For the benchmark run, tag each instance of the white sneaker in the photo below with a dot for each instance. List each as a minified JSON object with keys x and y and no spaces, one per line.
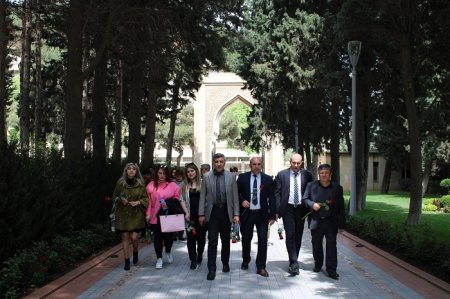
{"x":169,"y":258}
{"x":159,"y":264}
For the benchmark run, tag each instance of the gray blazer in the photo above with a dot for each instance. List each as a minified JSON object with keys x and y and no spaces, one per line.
{"x":208,"y":193}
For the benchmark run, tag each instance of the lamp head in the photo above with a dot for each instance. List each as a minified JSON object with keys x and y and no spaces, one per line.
{"x":354,"y":48}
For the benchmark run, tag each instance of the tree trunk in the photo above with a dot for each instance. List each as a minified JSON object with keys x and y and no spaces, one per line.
{"x":25,"y":81}
{"x":99,"y":109}
{"x":117,"y":148}
{"x":4,"y":37}
{"x":180,"y":156}
{"x":308,"y":158}
{"x":426,"y":177}
{"x":134,"y":115}
{"x":386,"y":177}
{"x":315,"y":165}
{"x":173,"y":119}
{"x":86,"y":101}
{"x":415,"y":204}
{"x":73,"y":136}
{"x":39,"y":134}
{"x":150,"y":125}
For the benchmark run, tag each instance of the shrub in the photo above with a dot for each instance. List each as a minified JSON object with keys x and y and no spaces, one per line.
{"x":397,"y":239}
{"x":430,"y":208}
{"x":446,"y":184}
{"x":33,"y":267}
{"x":433,"y":201}
{"x":445,"y":200}
{"x":46,"y":196}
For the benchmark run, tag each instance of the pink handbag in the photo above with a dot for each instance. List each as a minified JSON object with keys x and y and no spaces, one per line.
{"x":171,"y":223}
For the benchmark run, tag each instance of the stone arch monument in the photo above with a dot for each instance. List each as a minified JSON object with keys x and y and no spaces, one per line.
{"x":218,"y":91}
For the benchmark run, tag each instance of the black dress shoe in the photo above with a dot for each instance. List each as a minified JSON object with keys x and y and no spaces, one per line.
{"x":226,"y":268}
{"x":244,"y":266}
{"x":263,"y":272}
{"x":317,"y":269}
{"x":193,"y":265}
{"x":293,"y":271}
{"x":334,"y":276}
{"x":211,"y":275}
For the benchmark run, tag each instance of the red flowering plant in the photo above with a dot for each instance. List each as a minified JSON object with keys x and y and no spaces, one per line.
{"x":106,"y":199}
{"x":191,"y":230}
{"x":233,"y":234}
{"x":325,"y":205}
{"x":280,"y":232}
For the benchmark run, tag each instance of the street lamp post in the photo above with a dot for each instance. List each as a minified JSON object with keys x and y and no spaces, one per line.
{"x":354,"y":48}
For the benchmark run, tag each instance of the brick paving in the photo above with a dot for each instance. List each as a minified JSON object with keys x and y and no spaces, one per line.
{"x":360,"y":276}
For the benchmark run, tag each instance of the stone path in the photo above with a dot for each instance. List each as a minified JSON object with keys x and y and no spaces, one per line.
{"x":360,"y":276}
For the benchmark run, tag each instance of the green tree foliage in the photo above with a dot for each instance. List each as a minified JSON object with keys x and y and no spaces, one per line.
{"x":232,"y":125}
{"x":183,"y":135}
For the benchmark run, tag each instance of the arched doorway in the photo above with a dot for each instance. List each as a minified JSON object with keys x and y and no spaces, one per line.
{"x":218,"y":91}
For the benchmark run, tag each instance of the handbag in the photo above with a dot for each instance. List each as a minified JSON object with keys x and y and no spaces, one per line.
{"x":171,"y":223}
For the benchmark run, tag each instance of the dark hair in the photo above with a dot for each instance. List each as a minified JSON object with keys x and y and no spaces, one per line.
{"x":166,"y":172}
{"x":324,"y":167}
{"x":234,"y":169}
{"x":218,"y":155}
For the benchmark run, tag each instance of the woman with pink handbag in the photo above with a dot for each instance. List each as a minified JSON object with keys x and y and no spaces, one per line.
{"x":160,"y":190}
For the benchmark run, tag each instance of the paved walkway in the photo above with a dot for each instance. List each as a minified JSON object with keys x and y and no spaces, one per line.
{"x":364,"y":273}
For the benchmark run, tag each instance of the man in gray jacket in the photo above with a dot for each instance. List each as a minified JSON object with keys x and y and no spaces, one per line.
{"x":218,"y":207}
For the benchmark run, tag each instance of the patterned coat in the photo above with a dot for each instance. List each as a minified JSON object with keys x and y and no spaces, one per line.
{"x":130,"y":218}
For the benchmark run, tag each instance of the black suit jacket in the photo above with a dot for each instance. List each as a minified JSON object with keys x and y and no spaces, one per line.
{"x":282,"y":187}
{"x":337,"y":208}
{"x":266,"y":195}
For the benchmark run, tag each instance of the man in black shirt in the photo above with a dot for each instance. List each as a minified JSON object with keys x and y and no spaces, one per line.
{"x":326,"y":201}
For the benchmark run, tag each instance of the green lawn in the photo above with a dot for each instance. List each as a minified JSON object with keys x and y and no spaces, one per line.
{"x":394,"y":207}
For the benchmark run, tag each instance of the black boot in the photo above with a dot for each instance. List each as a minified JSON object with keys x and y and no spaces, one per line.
{"x":127,"y":265}
{"x":135,"y":257}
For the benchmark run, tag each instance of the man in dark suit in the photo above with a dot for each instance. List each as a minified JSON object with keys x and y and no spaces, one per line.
{"x":258,"y":207}
{"x":290,"y":185}
{"x":219,"y":207}
{"x":326,"y":201}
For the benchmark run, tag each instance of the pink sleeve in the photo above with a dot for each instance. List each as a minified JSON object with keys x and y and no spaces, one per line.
{"x":176,"y":192}
{"x":150,"y":198}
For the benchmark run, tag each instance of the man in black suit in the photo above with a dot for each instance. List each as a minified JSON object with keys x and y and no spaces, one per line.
{"x":326,"y":201}
{"x":258,"y":207}
{"x":290,"y":185}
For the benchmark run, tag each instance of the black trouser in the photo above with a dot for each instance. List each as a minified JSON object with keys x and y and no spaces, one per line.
{"x":325,"y":228}
{"x":255,"y":218}
{"x":159,"y":238}
{"x":196,"y":244}
{"x":293,"y":225}
{"x":218,"y":223}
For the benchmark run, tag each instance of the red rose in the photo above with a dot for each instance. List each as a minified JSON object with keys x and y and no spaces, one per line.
{"x":330,"y":202}
{"x":261,"y":186}
{"x":106,"y":199}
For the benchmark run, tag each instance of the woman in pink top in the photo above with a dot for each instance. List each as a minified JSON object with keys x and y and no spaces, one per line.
{"x":158,"y":190}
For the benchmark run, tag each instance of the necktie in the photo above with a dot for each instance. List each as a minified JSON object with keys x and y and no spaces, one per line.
{"x":255,"y":191}
{"x":218,"y":193}
{"x":295,"y":189}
